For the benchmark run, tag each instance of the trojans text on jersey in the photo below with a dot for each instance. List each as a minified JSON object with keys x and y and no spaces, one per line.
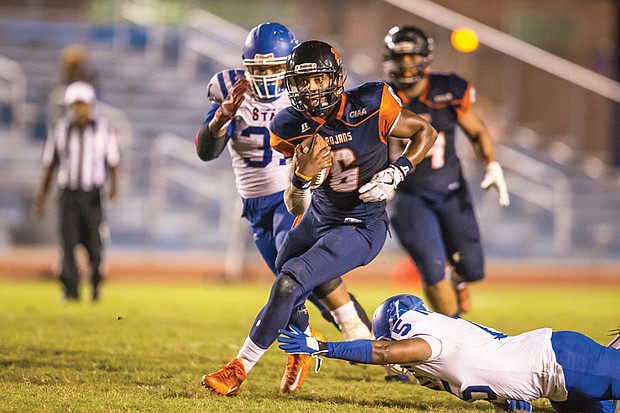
{"x":339,"y":138}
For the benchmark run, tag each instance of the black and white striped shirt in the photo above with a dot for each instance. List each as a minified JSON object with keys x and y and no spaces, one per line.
{"x":82,"y":156}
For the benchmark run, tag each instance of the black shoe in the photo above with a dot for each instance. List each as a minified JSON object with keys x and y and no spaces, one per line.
{"x":96,"y":294}
{"x":69,"y":298}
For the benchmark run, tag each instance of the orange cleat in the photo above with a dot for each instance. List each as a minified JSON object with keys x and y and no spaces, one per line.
{"x":295,"y":373}
{"x":226,"y":381}
{"x":297,"y":367}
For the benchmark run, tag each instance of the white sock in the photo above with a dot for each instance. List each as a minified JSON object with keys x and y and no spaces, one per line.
{"x":460,"y":286}
{"x":249,"y":354}
{"x":344,"y":313}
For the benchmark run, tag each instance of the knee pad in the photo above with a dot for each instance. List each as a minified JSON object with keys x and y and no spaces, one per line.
{"x":469,"y":271}
{"x":432,"y":274}
{"x":286,"y":285}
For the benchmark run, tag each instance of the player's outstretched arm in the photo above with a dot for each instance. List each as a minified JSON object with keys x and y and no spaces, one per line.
{"x":478,"y":133}
{"x":211,"y":138}
{"x":381,"y":352}
{"x":494,"y":177}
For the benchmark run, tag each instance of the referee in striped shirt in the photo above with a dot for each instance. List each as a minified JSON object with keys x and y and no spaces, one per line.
{"x":83,"y":149}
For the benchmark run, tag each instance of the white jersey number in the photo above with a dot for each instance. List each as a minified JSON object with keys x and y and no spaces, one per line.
{"x":343,"y":180}
{"x":437,"y":153}
{"x":254,"y":134}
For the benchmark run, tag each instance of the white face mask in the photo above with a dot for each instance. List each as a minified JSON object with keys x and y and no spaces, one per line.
{"x":270,"y":84}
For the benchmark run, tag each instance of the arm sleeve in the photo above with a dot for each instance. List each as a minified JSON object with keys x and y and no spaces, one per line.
{"x":296,"y":200}
{"x":208,"y":147}
{"x":357,"y":350}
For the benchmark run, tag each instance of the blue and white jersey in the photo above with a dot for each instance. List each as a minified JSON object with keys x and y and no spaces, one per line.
{"x":475,"y":362}
{"x":259,"y":170}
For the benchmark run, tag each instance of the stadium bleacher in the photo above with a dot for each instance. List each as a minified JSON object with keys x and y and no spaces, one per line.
{"x":164,"y":103}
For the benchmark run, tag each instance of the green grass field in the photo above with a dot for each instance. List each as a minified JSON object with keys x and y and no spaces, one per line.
{"x":144,"y":348}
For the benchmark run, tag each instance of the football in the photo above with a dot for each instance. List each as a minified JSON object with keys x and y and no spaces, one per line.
{"x":316,"y":143}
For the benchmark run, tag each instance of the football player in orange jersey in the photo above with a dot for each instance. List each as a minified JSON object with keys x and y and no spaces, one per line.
{"x":432,"y":213}
{"x":244,"y":101}
{"x":345,"y":224}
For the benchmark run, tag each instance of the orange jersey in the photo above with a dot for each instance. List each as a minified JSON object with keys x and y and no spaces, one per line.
{"x":358,"y":139}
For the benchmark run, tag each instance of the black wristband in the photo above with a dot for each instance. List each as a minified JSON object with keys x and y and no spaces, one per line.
{"x":300,"y":183}
{"x":404,"y":165}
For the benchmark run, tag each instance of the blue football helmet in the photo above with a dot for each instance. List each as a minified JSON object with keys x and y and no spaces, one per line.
{"x":390,"y":310}
{"x":264,"y":57}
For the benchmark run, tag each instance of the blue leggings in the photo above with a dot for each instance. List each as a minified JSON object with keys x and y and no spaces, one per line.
{"x":591,"y":372}
{"x":270,"y":221}
{"x":435,"y":230}
{"x":312,"y":255}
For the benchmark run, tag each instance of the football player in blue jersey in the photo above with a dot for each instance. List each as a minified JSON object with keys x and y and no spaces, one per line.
{"x":345,"y":223}
{"x":244,"y":101}
{"x":474,"y":362}
{"x":432,"y":213}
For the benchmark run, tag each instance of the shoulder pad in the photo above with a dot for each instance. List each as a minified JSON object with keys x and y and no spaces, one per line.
{"x":368,"y":86}
{"x":364,"y":100}
{"x":451,"y":82}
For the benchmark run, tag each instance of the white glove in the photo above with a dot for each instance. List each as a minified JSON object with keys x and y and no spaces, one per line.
{"x":382,"y":186}
{"x":494,"y":176}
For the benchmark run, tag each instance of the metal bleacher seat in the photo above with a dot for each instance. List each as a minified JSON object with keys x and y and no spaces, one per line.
{"x":158,"y":90}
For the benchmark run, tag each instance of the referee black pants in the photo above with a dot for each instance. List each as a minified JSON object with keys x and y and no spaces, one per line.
{"x":81,"y":218}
